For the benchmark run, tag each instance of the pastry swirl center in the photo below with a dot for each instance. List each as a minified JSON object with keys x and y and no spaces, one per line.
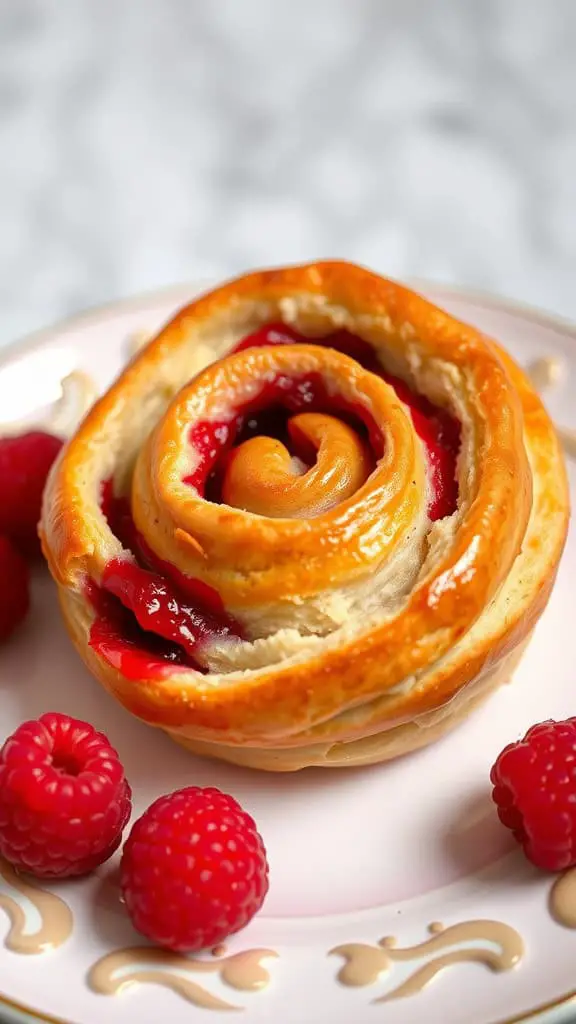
{"x":264,"y":476}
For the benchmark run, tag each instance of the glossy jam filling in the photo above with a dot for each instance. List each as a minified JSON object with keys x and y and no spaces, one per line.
{"x":116,"y":636}
{"x":149,"y":613}
{"x":150,"y":618}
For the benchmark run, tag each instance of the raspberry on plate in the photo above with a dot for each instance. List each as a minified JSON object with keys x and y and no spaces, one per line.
{"x":535,"y":792}
{"x":64,"y":800}
{"x":194,"y":870}
{"x":25,"y":461}
{"x":14,"y":588}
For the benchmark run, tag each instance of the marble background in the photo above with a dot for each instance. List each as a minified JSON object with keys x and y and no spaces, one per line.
{"x":147,"y":142}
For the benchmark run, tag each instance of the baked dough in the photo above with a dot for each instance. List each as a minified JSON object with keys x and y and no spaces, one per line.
{"x":364,"y":626}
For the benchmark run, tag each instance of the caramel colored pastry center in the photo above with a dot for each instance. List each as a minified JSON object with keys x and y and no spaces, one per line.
{"x":261,"y":475}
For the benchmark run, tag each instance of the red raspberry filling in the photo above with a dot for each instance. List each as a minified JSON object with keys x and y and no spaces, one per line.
{"x":148,"y":621}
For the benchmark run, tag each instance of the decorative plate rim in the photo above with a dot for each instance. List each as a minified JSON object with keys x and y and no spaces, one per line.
{"x":18,"y":1012}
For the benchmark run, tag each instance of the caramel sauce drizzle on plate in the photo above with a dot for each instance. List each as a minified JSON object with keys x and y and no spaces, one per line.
{"x":364,"y":963}
{"x":563,"y":899}
{"x":56,"y":921}
{"x":140,"y":965}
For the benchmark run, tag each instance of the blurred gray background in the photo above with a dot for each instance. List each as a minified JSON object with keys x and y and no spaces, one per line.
{"x":148,"y":142}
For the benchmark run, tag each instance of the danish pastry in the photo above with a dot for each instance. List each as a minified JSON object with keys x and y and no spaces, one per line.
{"x":313,"y":522}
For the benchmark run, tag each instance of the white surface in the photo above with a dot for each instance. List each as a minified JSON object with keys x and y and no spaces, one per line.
{"x":354,"y":855}
{"x":146,"y":142}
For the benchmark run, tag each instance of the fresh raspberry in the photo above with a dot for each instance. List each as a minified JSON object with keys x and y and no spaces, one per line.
{"x":63,"y":798}
{"x":194,"y":870}
{"x":24,"y":464}
{"x":535,"y":792}
{"x":14,"y":588}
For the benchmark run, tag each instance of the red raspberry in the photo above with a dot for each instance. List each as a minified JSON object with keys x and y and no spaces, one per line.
{"x":535,"y":792}
{"x":24,"y":464}
{"x":194,"y":870}
{"x":14,"y":588}
{"x":63,"y":798}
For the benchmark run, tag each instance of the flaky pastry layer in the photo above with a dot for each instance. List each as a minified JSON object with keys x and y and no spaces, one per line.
{"x":367,"y":629}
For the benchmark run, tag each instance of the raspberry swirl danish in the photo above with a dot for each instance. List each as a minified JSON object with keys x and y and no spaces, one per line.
{"x":312,"y":523}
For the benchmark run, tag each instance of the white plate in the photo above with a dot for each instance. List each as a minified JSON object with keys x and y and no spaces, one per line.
{"x":354,"y":855}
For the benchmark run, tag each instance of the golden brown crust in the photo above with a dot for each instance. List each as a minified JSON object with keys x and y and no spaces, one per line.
{"x":480,"y":588}
{"x":252,"y":559}
{"x":402,"y":738}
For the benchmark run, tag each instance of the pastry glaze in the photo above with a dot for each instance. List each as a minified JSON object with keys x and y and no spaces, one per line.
{"x":140,"y":965}
{"x":364,"y":963}
{"x":56,"y":920}
{"x":357,"y":648}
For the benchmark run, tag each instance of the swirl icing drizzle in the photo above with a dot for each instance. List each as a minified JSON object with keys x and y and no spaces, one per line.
{"x":496,"y":945}
{"x":56,"y":921}
{"x":139,"y":965}
{"x":563,"y":899}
